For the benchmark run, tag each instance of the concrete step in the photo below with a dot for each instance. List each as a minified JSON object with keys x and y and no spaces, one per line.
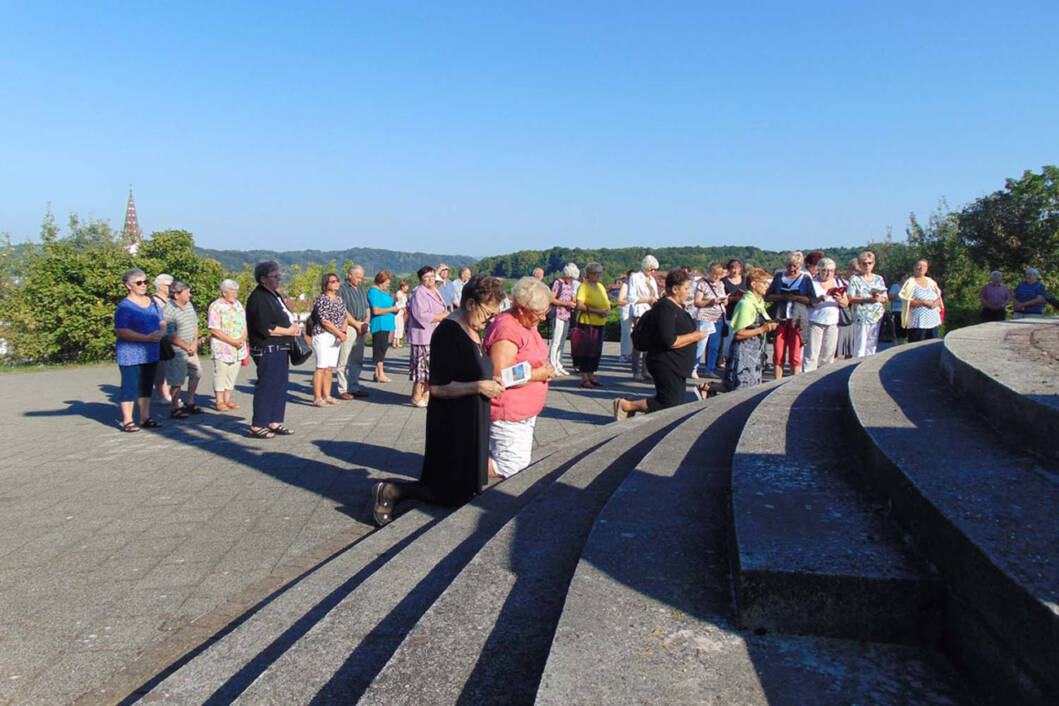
{"x":417,"y":553}
{"x":486,"y":638}
{"x":648,"y":615}
{"x":982,"y":512}
{"x":1009,"y":372}
{"x":815,"y":554}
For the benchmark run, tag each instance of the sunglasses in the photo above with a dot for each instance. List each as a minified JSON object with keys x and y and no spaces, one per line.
{"x":140,"y":282}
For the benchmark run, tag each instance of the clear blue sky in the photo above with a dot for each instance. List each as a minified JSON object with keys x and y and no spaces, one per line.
{"x":483,"y":128}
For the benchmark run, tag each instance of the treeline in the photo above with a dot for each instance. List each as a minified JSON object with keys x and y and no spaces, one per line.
{"x":618,"y":261}
{"x":372,"y":259}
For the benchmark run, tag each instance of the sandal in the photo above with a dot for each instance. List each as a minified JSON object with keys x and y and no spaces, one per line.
{"x":233,"y":405}
{"x":179,"y":413}
{"x":331,"y":401}
{"x":619,"y":413}
{"x":261,"y":433}
{"x":702,"y":391}
{"x":194,"y":409}
{"x":319,"y":403}
{"x":129,"y":427}
{"x":382,"y":513}
{"x":281,"y":430}
{"x":150,"y":423}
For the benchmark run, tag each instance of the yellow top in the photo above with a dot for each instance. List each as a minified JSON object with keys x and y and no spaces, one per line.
{"x":594,"y":296}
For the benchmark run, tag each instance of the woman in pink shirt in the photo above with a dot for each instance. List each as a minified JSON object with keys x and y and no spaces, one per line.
{"x":425,"y":310}
{"x":512,"y":338}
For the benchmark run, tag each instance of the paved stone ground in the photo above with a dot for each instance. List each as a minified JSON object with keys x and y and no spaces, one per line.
{"x":111,"y":544}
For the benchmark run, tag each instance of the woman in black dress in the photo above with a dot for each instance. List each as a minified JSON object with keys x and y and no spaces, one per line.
{"x":456,"y":457}
{"x":671,"y":354}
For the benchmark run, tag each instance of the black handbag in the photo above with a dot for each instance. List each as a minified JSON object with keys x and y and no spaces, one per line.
{"x":845,"y":316}
{"x":300,"y":350}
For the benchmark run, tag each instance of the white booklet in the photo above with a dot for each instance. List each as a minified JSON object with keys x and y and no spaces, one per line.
{"x":517,"y":374}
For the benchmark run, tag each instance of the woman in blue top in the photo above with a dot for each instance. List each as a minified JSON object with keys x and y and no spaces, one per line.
{"x":138,"y":325}
{"x":383,"y":321}
{"x":1030,"y":295}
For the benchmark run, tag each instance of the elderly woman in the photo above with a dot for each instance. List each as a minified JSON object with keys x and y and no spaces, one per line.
{"x":626,"y":319}
{"x":670,"y":357}
{"x":845,"y":332}
{"x":868,"y":297}
{"x":995,"y":297}
{"x":161,"y":298}
{"x":383,"y":310}
{"x":710,"y":301}
{"x":512,"y":338}
{"x":830,"y":298}
{"x":792,"y":290}
{"x":270,"y":327}
{"x":1030,"y":295}
{"x":750,"y":322}
{"x":401,"y":299}
{"x":329,"y":325}
{"x":563,"y":301}
{"x":456,"y":454}
{"x":593,"y":307}
{"x":734,"y":288}
{"x":921,"y":295}
{"x":425,"y":309}
{"x":138,"y":326}
{"x":226,"y":321}
{"x":643,"y":293}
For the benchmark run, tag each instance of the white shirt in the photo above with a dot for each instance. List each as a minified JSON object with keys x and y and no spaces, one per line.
{"x":641,"y":287}
{"x":825,"y":313}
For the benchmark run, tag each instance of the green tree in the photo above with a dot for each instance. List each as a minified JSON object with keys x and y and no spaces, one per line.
{"x":1016,"y":227}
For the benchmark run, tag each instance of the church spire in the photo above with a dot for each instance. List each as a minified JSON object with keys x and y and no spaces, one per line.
{"x":131,"y":234}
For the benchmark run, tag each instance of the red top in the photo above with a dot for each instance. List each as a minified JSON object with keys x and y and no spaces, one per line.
{"x":525,"y":401}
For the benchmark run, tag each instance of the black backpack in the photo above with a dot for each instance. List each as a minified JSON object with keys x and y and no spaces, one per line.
{"x":643,"y":334}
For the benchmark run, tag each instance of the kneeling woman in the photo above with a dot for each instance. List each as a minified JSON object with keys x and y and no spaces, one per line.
{"x":513,"y":338}
{"x":671,"y":353}
{"x":750,"y":323}
{"x":456,"y":454}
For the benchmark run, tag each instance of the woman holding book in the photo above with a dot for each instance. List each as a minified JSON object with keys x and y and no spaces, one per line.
{"x":750,"y":322}
{"x":868,"y":296}
{"x":823,"y":316}
{"x":510,"y":340}
{"x":462,"y":383}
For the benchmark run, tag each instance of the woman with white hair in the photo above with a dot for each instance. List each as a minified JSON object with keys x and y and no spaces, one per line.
{"x":643,"y":293}
{"x":226,"y":321}
{"x":868,"y":296}
{"x":1030,"y":295}
{"x":824,"y":316}
{"x":511,"y":339}
{"x":792,"y":292}
{"x":562,"y":298}
{"x":994,"y":297}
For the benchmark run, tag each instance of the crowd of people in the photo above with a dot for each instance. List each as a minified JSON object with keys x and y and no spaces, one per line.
{"x":479,"y":365}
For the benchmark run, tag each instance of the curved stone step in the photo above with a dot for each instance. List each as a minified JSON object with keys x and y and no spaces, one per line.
{"x":983,"y":513}
{"x":418,"y":552}
{"x":486,"y":638}
{"x":647,"y":614}
{"x":814,"y":553}
{"x":1009,"y":372}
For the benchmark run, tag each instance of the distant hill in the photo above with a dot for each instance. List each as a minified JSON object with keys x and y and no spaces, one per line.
{"x":371,"y":259}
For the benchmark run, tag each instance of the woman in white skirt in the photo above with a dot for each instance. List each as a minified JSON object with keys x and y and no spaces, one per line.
{"x":329,"y":331}
{"x":512,"y":338}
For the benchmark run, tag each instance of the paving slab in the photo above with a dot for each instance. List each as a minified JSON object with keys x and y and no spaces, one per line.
{"x":815,"y":553}
{"x":1009,"y":372}
{"x":981,"y":511}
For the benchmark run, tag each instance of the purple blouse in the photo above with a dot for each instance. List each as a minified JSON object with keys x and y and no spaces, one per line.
{"x":423,"y":305}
